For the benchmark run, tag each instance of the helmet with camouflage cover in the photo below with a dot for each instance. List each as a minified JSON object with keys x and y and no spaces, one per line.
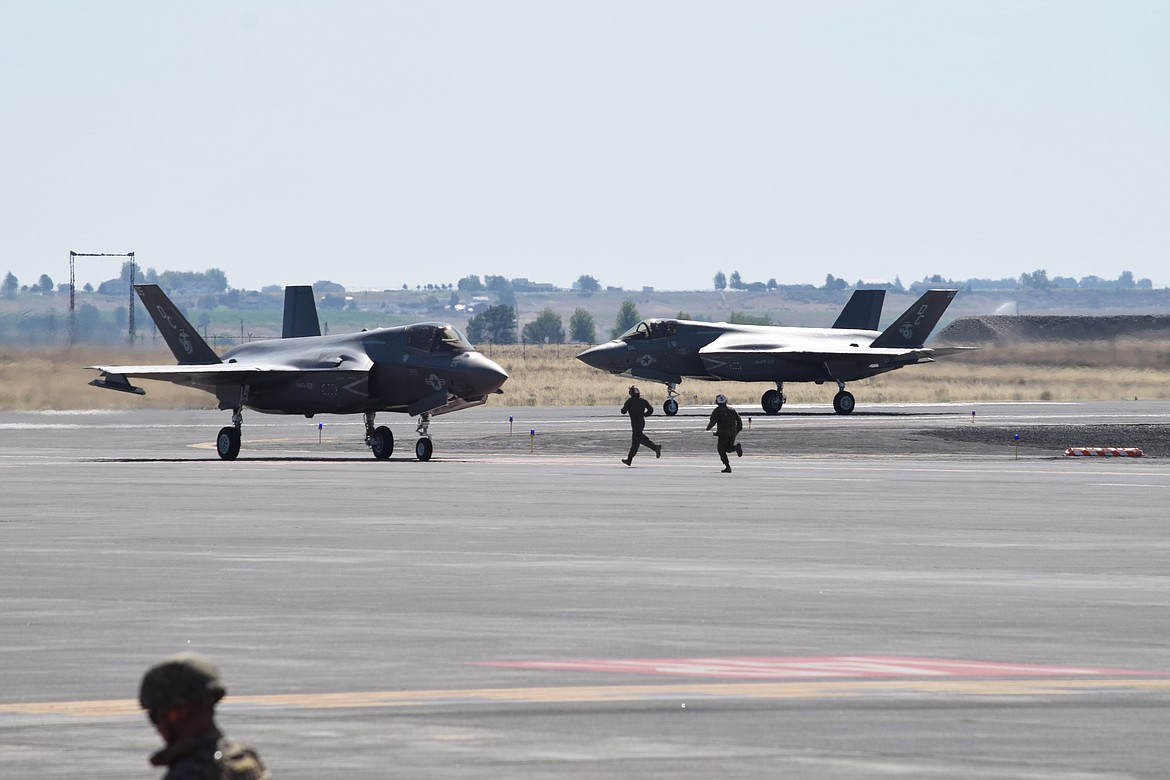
{"x":182,"y":678}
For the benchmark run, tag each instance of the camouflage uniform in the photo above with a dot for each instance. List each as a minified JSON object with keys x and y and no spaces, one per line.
{"x":211,"y":756}
{"x":191,"y":678}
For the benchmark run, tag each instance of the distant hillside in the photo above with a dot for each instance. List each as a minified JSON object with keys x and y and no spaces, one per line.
{"x":993,"y":329}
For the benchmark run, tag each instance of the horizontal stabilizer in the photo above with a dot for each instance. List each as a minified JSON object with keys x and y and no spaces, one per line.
{"x":117,"y":382}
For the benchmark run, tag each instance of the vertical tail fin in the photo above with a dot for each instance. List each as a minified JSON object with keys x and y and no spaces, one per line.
{"x":300,"y":312}
{"x":863,"y":311}
{"x":184,"y":340}
{"x":916,"y":323}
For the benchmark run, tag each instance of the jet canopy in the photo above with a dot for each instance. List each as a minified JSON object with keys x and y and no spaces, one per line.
{"x":432,"y":338}
{"x":651,"y":329}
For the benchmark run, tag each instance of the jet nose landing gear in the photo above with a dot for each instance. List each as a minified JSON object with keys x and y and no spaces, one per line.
{"x":423,"y":448}
{"x":670,"y":405}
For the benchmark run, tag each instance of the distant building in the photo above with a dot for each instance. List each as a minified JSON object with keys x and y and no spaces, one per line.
{"x":521,"y":284}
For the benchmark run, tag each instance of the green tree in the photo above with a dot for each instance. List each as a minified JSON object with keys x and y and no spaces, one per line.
{"x":627,"y":317}
{"x":582,"y":329}
{"x":736,"y":283}
{"x":587,"y":284}
{"x":471,"y":284}
{"x":743,"y":318}
{"x":548,"y":327}
{"x":10,"y":285}
{"x":1037,"y":280}
{"x":496,"y":324}
{"x":720,"y":280}
{"x":46,"y":283}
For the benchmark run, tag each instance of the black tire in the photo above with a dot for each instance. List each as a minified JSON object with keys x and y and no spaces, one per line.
{"x":843,"y":402}
{"x":670,"y":407}
{"x":772,"y":401}
{"x":423,"y":449}
{"x":382,"y":442}
{"x":227,"y":443}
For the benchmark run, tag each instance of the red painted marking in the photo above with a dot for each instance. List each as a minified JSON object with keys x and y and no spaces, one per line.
{"x":797,"y":668}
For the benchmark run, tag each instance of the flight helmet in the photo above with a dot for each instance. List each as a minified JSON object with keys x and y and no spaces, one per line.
{"x":635,"y":390}
{"x":721,"y":399}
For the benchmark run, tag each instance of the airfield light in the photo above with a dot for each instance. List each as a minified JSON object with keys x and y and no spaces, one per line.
{"x":531,"y":440}
{"x":320,"y":431}
{"x":509,"y":425}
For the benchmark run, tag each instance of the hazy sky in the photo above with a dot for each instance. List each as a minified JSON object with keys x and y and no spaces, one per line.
{"x":645,"y":143}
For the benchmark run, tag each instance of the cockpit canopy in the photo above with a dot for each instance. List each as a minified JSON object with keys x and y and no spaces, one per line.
{"x":651,"y":329}
{"x":436,"y":338}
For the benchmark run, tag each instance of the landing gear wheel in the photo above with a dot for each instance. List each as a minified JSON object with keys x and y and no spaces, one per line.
{"x":423,"y":449}
{"x":772,"y":401}
{"x":843,"y":402}
{"x":227,"y":443}
{"x":670,"y":407}
{"x":382,"y":442}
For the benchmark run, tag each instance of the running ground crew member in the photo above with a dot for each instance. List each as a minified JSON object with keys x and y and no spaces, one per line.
{"x":727,"y":425}
{"x":639,"y":409}
{"x":179,"y":695}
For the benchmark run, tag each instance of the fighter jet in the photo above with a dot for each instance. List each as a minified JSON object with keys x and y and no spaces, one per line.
{"x":668,"y":351}
{"x":424,"y":370}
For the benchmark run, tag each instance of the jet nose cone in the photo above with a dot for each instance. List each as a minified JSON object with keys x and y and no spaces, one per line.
{"x":485,"y":375}
{"x":600,"y":356}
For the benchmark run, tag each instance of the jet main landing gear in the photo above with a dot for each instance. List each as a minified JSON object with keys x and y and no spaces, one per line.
{"x":773,"y":400}
{"x":380,"y":440}
{"x":227,"y":442}
{"x":843,"y":402}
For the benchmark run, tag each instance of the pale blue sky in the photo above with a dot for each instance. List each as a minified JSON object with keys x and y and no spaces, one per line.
{"x":645,"y":143}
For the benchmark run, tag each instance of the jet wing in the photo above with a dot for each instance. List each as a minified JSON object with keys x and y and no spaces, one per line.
{"x":116,"y":377}
{"x":735,"y":349}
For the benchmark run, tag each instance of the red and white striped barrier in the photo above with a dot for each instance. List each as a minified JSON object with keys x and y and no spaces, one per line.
{"x":1116,"y":452}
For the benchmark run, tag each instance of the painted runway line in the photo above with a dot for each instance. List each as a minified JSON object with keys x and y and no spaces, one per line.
{"x":605,"y":694}
{"x":830,"y":667}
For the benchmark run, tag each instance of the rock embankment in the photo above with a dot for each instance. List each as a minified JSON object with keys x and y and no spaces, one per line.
{"x":1022,"y":328}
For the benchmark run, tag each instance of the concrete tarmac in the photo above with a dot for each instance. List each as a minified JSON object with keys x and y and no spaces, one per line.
{"x":882,"y":595}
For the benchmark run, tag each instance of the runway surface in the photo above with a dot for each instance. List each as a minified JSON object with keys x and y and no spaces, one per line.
{"x":898,"y":593}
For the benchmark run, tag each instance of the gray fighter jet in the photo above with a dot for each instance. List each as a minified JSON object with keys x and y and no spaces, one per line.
{"x":424,"y":370}
{"x":668,"y":351}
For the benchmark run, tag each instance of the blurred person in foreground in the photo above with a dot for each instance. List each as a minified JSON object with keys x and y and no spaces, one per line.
{"x":179,"y":695}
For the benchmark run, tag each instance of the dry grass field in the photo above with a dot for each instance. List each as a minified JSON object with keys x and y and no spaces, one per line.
{"x":32,"y":379}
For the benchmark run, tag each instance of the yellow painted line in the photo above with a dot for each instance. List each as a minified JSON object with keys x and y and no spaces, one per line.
{"x":626,"y":693}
